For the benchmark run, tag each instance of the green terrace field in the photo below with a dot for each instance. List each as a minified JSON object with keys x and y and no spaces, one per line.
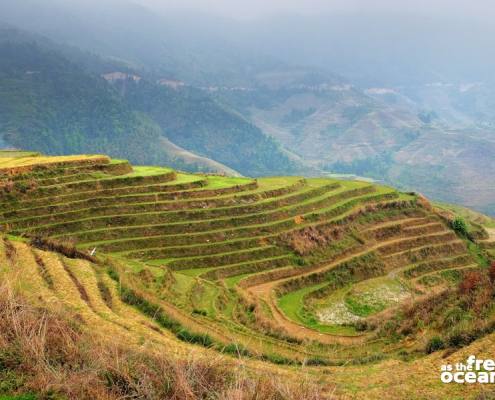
{"x":283,"y":272}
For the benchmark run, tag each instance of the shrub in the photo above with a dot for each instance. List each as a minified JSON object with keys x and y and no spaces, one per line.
{"x":10,"y":381}
{"x":367,"y":359}
{"x":277,"y":359}
{"x":460,"y":226}
{"x":459,"y":339}
{"x":112,"y":273}
{"x":66,"y":248}
{"x":236,"y":349}
{"x":156,"y":312}
{"x":434,"y":344}
{"x":202,"y":339}
{"x":361,"y":325}
{"x":471,"y":281}
{"x":317,"y":361}
{"x":453,"y":316}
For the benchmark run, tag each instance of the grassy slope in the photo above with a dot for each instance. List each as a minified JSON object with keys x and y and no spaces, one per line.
{"x":220,"y":309}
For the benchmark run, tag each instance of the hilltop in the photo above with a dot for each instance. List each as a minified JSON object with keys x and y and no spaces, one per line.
{"x":327,"y":284}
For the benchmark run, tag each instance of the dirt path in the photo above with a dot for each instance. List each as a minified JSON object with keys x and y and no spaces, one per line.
{"x":265,"y":291}
{"x":491,"y":234}
{"x":446,"y":269}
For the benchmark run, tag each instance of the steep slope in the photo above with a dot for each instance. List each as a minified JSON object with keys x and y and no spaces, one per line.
{"x":194,"y":121}
{"x":147,"y":123}
{"x":49,"y":104}
{"x":412,"y":122}
{"x":282,"y":271}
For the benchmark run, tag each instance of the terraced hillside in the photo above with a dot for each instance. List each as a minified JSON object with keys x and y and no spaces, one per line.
{"x":284,"y":271}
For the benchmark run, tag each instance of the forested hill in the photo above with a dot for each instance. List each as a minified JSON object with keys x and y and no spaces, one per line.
{"x":191,"y":119}
{"x":51,"y":102}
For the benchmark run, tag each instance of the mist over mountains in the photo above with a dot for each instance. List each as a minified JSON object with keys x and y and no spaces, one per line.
{"x":404,"y":99}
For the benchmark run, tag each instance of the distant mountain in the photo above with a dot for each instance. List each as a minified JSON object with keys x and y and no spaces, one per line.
{"x":49,"y":104}
{"x":261,"y":101}
{"x":388,"y":135}
{"x":183,"y":47}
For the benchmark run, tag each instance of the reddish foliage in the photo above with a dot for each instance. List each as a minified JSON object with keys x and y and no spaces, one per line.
{"x":7,"y":185}
{"x":471,"y":281}
{"x":308,"y":239}
{"x":491,"y":273}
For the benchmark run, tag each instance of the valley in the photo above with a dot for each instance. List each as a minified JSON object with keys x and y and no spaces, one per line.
{"x":209,"y":200}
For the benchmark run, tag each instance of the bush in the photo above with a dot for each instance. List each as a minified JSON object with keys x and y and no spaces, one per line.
{"x":361,"y":325}
{"x":237,"y":350}
{"x":155,"y":312}
{"x":460,"y":339}
{"x":277,"y":359}
{"x":453,"y":316}
{"x":66,"y":248}
{"x":317,"y":361}
{"x":112,"y":273}
{"x":367,"y":359}
{"x":434,"y":344}
{"x":10,"y":381}
{"x":202,"y":339}
{"x":471,"y":281}
{"x":460,"y":226}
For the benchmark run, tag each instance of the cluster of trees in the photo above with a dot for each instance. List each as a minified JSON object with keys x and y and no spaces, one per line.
{"x":56,"y":102}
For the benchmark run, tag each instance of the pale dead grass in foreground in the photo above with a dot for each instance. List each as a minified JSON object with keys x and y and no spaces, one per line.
{"x":53,"y":352}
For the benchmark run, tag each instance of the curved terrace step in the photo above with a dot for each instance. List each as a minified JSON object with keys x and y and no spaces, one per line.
{"x":183,"y":187}
{"x":180,"y":209}
{"x":223,"y":259}
{"x":125,"y":224}
{"x":203,"y":198}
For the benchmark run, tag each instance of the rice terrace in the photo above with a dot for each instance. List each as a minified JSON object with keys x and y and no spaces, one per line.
{"x":316,"y":287}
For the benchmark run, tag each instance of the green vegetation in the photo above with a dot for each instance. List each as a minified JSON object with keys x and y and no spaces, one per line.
{"x":52,"y":104}
{"x":460,"y":226}
{"x":292,"y":304}
{"x":375,"y":295}
{"x":278,"y":271}
{"x":468,"y":215}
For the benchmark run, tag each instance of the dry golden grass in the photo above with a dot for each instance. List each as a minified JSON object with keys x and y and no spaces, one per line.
{"x":416,"y":380}
{"x":67,"y":326}
{"x":11,"y":162}
{"x":50,"y":351}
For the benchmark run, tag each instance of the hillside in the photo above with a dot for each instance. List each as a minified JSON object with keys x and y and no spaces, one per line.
{"x":318,"y":280}
{"x":400,"y":137}
{"x":398,"y":120}
{"x":54,"y":99}
{"x":194,"y":121}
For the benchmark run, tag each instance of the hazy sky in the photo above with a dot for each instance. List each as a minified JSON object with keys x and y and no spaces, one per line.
{"x":266,"y":8}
